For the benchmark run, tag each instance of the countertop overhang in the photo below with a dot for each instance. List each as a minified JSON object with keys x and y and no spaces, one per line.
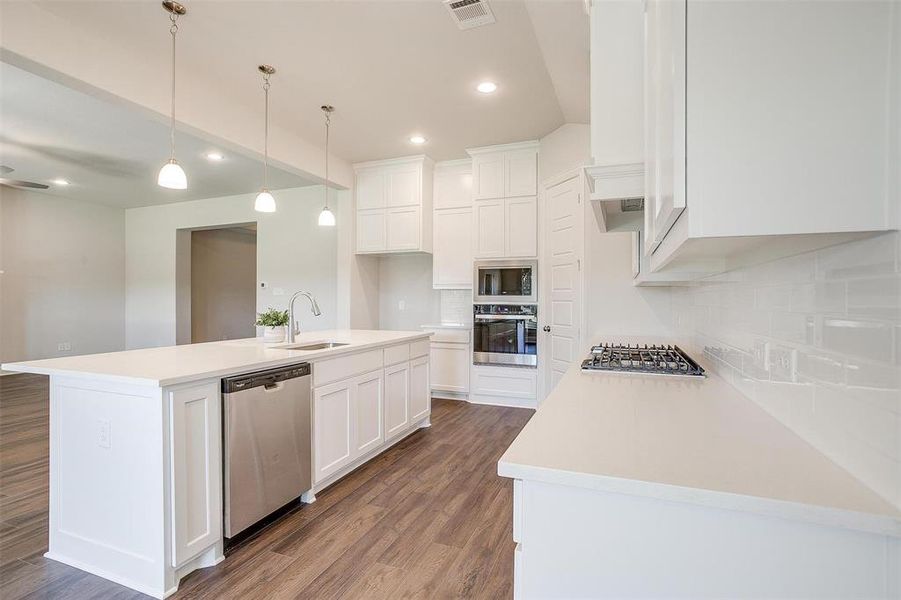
{"x":172,"y":365}
{"x":695,"y":440}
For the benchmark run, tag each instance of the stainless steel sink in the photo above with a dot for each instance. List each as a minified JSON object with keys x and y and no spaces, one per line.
{"x":315,"y":346}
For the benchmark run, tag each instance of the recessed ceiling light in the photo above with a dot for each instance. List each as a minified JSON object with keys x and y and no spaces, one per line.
{"x":214,"y":156}
{"x":487,"y":87}
{"x":417,"y":139}
{"x":59,"y":182}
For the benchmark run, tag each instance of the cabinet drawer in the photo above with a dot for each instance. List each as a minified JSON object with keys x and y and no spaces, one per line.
{"x":343,"y":367}
{"x":397,"y":354}
{"x":508,"y":382}
{"x":450,"y":336}
{"x":419,"y":348}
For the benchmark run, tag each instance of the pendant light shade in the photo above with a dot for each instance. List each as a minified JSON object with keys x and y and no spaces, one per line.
{"x":327,"y":217}
{"x":265,"y":202}
{"x":172,"y":176}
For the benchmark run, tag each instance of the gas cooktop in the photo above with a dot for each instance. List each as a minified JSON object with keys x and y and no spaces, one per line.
{"x":653,"y":359}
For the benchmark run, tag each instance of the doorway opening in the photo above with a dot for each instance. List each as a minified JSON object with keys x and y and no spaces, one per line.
{"x":216,"y":283}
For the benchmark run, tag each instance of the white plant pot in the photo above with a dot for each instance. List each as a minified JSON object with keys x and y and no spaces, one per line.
{"x":274,"y":335}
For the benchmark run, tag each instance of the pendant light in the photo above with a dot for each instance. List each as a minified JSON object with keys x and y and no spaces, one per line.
{"x":265,"y":202}
{"x":327,"y":217}
{"x":172,"y":175}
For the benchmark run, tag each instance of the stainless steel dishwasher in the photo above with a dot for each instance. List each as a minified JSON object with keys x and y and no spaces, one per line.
{"x":267,"y":437}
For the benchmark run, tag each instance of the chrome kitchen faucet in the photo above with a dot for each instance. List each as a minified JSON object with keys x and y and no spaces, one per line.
{"x":293,"y":328}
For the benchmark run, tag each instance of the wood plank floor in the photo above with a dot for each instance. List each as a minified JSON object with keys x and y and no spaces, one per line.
{"x":429,"y":518}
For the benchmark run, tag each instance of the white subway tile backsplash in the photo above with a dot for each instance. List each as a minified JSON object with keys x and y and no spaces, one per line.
{"x":456,"y":306}
{"x":815,"y":340}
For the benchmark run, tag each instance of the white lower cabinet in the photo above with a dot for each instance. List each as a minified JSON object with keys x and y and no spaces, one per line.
{"x":196,"y":457}
{"x":357,"y":415}
{"x":420,"y":391}
{"x":504,"y":386}
{"x":332,"y":421}
{"x":368,"y":430}
{"x":397,"y":399}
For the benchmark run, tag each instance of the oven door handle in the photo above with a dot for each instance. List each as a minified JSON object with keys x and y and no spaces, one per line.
{"x":506,"y":318}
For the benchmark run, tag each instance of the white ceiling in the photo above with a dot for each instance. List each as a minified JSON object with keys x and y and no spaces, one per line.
{"x":390,"y":67}
{"x":109,"y":153}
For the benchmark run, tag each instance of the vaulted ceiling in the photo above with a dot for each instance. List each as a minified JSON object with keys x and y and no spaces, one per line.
{"x":391,"y":68}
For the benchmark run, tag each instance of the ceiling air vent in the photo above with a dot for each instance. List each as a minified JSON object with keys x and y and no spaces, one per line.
{"x":470,"y":13}
{"x":631,"y":204}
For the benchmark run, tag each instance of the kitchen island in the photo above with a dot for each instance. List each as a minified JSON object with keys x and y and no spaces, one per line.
{"x":136,"y":441}
{"x":631,"y":485}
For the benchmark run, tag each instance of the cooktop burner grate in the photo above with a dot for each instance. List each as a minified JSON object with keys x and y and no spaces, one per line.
{"x":662,"y":360}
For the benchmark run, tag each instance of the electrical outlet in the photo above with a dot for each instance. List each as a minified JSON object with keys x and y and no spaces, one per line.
{"x":64,"y":347}
{"x":401,"y":305}
{"x":103,"y":433}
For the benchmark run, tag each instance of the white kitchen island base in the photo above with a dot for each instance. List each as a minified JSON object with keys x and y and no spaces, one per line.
{"x":136,"y":442}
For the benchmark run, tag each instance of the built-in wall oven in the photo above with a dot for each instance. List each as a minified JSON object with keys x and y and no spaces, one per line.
{"x":505,"y":281}
{"x":505,"y":334}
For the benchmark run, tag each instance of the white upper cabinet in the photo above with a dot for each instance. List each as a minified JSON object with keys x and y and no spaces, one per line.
{"x":768,"y":119}
{"x":505,"y":207}
{"x":488,"y":176}
{"x":394,"y":205}
{"x":504,"y":171}
{"x":452,"y":224}
{"x":521,"y":172}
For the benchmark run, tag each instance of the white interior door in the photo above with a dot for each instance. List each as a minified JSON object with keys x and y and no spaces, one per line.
{"x":563,"y":279}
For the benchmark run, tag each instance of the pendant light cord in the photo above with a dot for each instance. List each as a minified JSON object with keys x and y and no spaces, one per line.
{"x":266,"y":134}
{"x":173,"y":29}
{"x":328,"y":120}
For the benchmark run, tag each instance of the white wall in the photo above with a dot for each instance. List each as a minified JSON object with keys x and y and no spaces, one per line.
{"x":815,"y":340}
{"x":293,"y":253}
{"x":562,"y":150}
{"x":63,"y":280}
{"x":358,"y":275}
{"x":617,"y":81}
{"x":407,"y":278}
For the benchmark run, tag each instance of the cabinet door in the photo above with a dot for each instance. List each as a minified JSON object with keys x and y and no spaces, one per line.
{"x":368,"y":421}
{"x":488,"y":228}
{"x":449,"y":367}
{"x":453,"y":187}
{"x":397,"y":399}
{"x":370,"y":189}
{"x":521,"y":172}
{"x":372,"y":235}
{"x":333,"y":437}
{"x":403,"y":225}
{"x":196,"y":470}
{"x":488,"y":176}
{"x":666,"y":127}
{"x":521,"y":221}
{"x":420,"y":391}
{"x":404,"y":186}
{"x":452,"y":251}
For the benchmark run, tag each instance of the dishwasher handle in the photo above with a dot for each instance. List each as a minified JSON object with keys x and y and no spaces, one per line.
{"x":267,"y":379}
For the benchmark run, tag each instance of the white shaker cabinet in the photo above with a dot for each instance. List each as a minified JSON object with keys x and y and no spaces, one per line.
{"x":368,"y":395}
{"x":450,"y":358}
{"x":504,"y":171}
{"x":420,"y":390}
{"x":394,"y":205}
{"x":770,"y":128}
{"x":332,"y":422}
{"x":452,"y":225}
{"x":505,"y":206}
{"x":397,"y":399}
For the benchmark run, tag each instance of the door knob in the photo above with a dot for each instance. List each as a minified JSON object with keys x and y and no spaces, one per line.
{"x":547,"y":328}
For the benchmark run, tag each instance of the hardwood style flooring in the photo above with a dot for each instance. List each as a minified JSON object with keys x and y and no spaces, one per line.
{"x":429,"y":518}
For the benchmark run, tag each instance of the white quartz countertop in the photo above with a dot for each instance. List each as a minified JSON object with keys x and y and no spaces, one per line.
{"x":688,"y":440}
{"x":179,"y":364}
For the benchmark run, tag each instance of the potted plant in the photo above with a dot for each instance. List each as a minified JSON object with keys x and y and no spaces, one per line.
{"x":273,"y":322}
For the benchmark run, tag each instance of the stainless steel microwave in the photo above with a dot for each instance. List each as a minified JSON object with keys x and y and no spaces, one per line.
{"x":505,"y":281}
